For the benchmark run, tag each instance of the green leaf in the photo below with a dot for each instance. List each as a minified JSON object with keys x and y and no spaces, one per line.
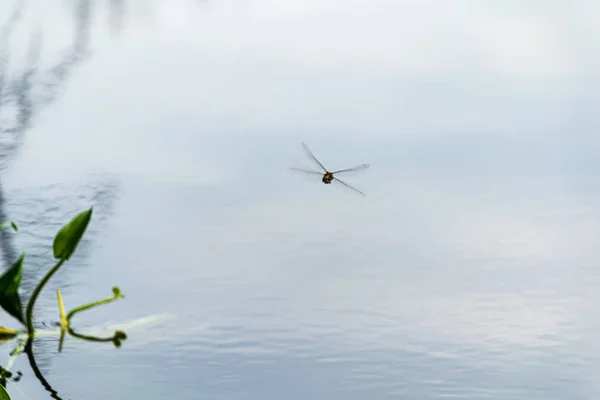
{"x":9,"y":286}
{"x":3,"y":393}
{"x":7,"y":224}
{"x":68,"y":237}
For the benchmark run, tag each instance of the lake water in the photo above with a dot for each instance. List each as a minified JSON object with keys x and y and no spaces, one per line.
{"x":470,"y":269}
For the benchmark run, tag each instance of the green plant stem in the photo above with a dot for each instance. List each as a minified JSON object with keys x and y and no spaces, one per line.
{"x":14,"y":354}
{"x":5,"y":225}
{"x":92,"y":304}
{"x":90,"y":338}
{"x":36,"y":293}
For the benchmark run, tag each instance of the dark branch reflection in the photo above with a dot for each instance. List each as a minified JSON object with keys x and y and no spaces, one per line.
{"x":38,"y":373}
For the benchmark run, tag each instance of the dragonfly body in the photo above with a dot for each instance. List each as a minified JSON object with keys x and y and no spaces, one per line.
{"x":329,"y":176}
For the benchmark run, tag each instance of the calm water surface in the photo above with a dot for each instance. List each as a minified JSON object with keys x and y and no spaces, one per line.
{"x":469,"y":271}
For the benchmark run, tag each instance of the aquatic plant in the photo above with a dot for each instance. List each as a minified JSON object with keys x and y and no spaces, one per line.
{"x":64,"y":246}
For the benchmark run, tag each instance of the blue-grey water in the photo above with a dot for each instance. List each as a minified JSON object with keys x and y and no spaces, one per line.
{"x":470,"y":270}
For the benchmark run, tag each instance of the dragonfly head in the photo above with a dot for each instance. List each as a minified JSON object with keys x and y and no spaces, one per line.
{"x":327,"y":177}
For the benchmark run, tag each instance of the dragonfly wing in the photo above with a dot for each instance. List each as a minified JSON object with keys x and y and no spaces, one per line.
{"x":358,"y":168}
{"x":348,"y":186}
{"x":312,"y":156}
{"x":306,"y":171}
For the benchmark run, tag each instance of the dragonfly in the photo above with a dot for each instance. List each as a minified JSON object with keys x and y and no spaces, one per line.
{"x":329,"y":176}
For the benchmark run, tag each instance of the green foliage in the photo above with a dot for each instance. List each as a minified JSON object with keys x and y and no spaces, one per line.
{"x":3,"y":393}
{"x":64,"y":245}
{"x":68,"y":237}
{"x":7,"y":224}
{"x":9,"y":286}
{"x":7,"y":333}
